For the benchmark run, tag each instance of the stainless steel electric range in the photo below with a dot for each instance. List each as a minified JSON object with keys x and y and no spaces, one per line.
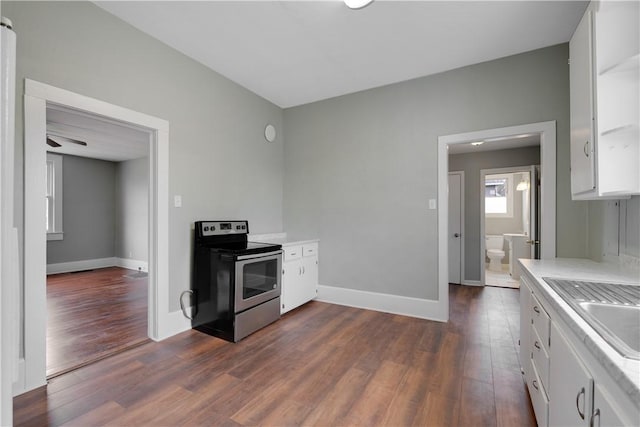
{"x":236,"y":283}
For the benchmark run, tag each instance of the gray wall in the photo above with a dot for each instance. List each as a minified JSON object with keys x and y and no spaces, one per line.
{"x":630,"y":220}
{"x":88,"y":216}
{"x":359,"y":169}
{"x":471,"y":164}
{"x":219,"y":161}
{"x":132,"y":209}
{"x":614,"y":225}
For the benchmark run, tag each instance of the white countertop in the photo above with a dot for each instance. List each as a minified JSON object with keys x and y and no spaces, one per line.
{"x":626,"y":372}
{"x":279,"y":239}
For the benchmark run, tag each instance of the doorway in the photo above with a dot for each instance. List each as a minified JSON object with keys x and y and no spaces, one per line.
{"x":509,"y":220}
{"x":547,"y":231}
{"x":32,"y":363}
{"x":97,"y":244}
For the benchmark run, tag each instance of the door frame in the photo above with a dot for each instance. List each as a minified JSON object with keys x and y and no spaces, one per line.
{"x":32,"y":365}
{"x":547,"y":131}
{"x":483,"y":174}
{"x":462,"y":234}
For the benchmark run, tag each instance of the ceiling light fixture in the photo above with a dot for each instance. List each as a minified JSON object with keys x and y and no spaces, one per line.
{"x":357,"y":4}
{"x":477,"y":143}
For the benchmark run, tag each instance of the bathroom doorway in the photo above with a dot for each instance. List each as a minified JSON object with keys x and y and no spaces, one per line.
{"x":509,"y":221}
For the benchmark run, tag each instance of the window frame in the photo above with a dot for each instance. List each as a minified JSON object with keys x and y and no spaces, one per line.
{"x":53,"y":196}
{"x":509,"y":178}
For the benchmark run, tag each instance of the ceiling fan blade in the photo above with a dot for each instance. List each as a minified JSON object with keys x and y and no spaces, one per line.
{"x":52,"y":143}
{"x":75,"y":141}
{"x":63,"y":139}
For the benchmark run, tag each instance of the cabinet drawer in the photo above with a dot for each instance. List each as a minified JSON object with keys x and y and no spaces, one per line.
{"x":539,"y":399}
{"x":541,"y":321}
{"x":540,"y":358}
{"x":310,"y":249}
{"x":292,"y":252}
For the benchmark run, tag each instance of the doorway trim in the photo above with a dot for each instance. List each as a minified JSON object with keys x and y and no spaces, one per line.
{"x":483,"y":174}
{"x":547,"y":131}
{"x":32,"y":366}
{"x":462,"y":233}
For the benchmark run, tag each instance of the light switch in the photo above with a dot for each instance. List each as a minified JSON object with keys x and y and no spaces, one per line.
{"x":177,"y":201}
{"x":432,"y":203}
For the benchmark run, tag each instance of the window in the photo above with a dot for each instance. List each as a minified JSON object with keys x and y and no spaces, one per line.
{"x":498,"y":196}
{"x":54,"y":197}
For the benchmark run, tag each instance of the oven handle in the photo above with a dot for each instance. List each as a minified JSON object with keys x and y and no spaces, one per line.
{"x":262,"y":255}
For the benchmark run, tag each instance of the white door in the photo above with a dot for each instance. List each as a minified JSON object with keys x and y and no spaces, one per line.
{"x":455,"y":226}
{"x":581,"y":100}
{"x":534,"y":216}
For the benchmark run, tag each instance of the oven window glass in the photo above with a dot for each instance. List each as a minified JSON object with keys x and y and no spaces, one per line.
{"x":259,"y":277}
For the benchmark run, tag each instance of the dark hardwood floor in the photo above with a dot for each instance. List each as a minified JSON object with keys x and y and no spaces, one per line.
{"x":321,"y":364}
{"x":93,"y":314}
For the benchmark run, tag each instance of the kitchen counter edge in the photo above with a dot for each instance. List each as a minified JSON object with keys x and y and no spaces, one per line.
{"x":626,"y":372}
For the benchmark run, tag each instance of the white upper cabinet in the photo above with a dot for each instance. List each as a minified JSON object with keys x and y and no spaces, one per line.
{"x":605,"y":96}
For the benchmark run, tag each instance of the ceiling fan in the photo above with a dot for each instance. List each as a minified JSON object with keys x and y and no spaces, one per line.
{"x":56,"y":144}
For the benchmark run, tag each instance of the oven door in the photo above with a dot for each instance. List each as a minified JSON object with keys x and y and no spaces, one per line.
{"x":258,"y":279}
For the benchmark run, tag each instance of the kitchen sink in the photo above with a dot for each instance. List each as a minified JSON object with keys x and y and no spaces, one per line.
{"x":612,"y":309}
{"x":621,"y":322}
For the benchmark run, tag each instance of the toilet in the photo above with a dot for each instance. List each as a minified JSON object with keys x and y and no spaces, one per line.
{"x":493,"y":246}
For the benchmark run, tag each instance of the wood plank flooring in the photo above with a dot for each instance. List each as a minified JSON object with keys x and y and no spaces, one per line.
{"x":93,"y":314}
{"x":321,"y":364}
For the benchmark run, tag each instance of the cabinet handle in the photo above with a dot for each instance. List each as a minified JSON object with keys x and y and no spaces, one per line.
{"x":535,"y":384}
{"x":586,"y":144}
{"x":536,"y":309}
{"x":303,"y":269}
{"x":581,"y":413}
{"x":537,"y":345}
{"x":595,"y":414}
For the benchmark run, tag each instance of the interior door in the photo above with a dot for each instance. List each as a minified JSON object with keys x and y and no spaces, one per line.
{"x":455,"y":227}
{"x":534,"y":217}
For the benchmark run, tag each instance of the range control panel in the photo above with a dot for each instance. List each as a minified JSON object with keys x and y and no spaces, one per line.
{"x":216,"y":228}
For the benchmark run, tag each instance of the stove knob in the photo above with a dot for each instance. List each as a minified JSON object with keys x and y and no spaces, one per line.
{"x":244,"y":226}
{"x":206,"y":229}
{"x":213,"y":228}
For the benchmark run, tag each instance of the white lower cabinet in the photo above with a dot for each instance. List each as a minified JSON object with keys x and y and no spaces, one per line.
{"x":299,"y":275}
{"x":525,"y":328}
{"x":571,"y":385}
{"x":567,"y":386}
{"x":605,"y":412}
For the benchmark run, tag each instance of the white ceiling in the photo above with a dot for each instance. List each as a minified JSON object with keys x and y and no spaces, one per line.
{"x":504,"y":143}
{"x":106,"y":139}
{"x":296,"y":52}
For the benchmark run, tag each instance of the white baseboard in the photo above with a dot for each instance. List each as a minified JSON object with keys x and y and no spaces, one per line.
{"x":87,"y":264}
{"x":90,"y":264}
{"x":132,"y":264}
{"x":406,"y":306}
{"x":472,"y":282}
{"x":176,"y":323}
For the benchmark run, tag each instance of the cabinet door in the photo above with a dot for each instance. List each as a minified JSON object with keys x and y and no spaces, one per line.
{"x":309,"y":278}
{"x":581,"y":106}
{"x":290,"y":290}
{"x":525,"y":328}
{"x":570,"y":384}
{"x":605,"y":412}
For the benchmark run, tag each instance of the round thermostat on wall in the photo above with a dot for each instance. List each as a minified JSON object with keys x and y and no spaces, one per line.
{"x":270,"y":133}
